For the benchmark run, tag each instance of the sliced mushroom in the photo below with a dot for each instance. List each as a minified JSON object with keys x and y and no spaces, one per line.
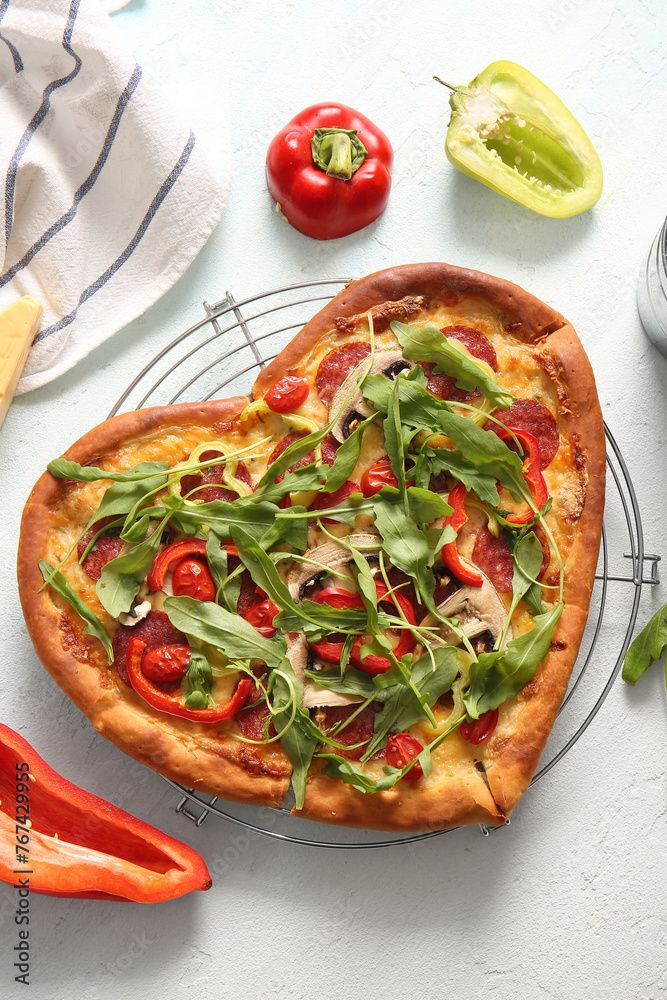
{"x":332,"y":555}
{"x":388,"y":363}
{"x":314,"y":696}
{"x":479,"y":609}
{"x":136,"y":613}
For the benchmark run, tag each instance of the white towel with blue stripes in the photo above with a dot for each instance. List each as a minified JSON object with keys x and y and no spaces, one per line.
{"x":106,"y":192}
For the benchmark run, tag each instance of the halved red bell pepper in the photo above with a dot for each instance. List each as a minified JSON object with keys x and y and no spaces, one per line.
{"x":450,"y":553}
{"x":165,"y":561}
{"x":171,"y":702}
{"x":79,"y":845}
{"x":532,"y":470}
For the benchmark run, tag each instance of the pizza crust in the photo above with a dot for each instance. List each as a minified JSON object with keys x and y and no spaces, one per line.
{"x":488,"y":780}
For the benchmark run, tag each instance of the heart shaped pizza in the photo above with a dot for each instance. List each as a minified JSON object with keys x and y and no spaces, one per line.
{"x":368,"y":579}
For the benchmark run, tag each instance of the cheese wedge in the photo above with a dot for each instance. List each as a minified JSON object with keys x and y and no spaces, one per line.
{"x":18,"y":326}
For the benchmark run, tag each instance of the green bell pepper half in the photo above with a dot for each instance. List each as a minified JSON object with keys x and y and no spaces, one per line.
{"x":512,"y":133}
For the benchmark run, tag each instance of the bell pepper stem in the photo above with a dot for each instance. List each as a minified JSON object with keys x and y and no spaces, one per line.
{"x":340,"y":163}
{"x":338,"y":152}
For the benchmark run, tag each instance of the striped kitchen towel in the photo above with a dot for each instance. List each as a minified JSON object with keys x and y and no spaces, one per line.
{"x":106,"y":192}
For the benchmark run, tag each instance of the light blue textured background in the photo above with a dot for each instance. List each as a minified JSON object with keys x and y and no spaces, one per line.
{"x":569,"y":901}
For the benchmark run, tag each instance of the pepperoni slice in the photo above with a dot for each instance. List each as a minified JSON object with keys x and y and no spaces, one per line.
{"x":546,"y":551}
{"x":326,"y":500}
{"x":248,"y":593}
{"x":494,"y":558}
{"x":474,"y":341}
{"x":336,"y":366}
{"x":282,"y":446}
{"x":329,"y":449}
{"x":106,"y":548}
{"x":529,"y":415}
{"x":155,"y":630}
{"x":444,"y":386}
{"x":206,"y":483}
{"x":360,"y":730}
{"x":251,"y":721}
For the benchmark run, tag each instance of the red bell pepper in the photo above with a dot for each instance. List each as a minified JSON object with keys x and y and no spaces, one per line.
{"x":171,"y":702}
{"x":165,"y":561}
{"x":450,"y":553}
{"x":532,"y":470}
{"x":79,"y":845}
{"x":329,"y":171}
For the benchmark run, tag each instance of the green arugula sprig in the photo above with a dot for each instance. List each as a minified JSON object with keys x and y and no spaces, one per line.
{"x":94,"y":626}
{"x":646,"y":648}
{"x":429,"y":344}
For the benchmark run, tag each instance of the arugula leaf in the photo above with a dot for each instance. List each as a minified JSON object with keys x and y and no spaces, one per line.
{"x":347,"y":457}
{"x":401,"y":708}
{"x":123,"y":497}
{"x":428,"y":343}
{"x":501,"y":674}
{"x":216,"y":556}
{"x":306,"y":477}
{"x":424,"y":506}
{"x":367,"y":588}
{"x":299,"y":449}
{"x":482,"y":483}
{"x":197,"y":681}
{"x":317,"y":620}
{"x":487,"y":452}
{"x":528,"y":557}
{"x":255,"y":518}
{"x":61,"y":468}
{"x":294,"y":724}
{"x":418,"y":407}
{"x":94,"y":626}
{"x":353,"y":682}
{"x":345,"y":770}
{"x":236,"y":637}
{"x":527,"y":561}
{"x":646,"y":648}
{"x":306,"y":616}
{"x":393,"y":438}
{"x":136,"y":531}
{"x":122,"y":577}
{"x":406,"y":546}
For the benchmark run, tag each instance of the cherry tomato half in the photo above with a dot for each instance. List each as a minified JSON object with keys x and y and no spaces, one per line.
{"x":166,"y":663}
{"x":261,"y":617}
{"x":192,"y":578}
{"x":377,"y":476}
{"x":287,"y":395}
{"x":401,"y":749}
{"x":480,"y":729}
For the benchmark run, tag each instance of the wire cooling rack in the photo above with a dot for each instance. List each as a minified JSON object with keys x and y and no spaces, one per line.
{"x":220,"y":356}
